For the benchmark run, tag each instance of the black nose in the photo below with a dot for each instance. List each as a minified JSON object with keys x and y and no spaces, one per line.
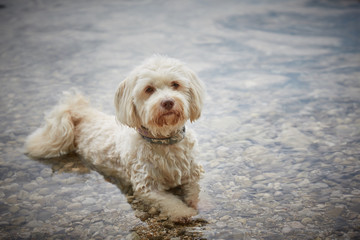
{"x":167,"y":104}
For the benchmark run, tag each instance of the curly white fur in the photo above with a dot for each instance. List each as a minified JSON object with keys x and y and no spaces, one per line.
{"x":160,"y":95}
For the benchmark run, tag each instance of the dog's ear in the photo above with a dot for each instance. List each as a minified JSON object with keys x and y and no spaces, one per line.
{"x":197,"y":95}
{"x":124,"y":105}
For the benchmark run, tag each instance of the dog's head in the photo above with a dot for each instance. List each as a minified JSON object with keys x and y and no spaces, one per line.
{"x":160,"y":95}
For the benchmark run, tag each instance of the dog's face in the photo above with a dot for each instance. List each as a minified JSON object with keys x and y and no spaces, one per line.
{"x":161,"y":95}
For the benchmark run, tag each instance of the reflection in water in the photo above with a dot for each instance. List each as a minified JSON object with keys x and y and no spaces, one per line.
{"x":156,"y":227}
{"x":69,"y":164}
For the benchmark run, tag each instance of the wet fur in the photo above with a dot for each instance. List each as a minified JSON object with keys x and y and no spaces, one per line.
{"x":113,"y":143}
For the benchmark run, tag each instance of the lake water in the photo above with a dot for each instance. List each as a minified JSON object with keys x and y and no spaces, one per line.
{"x":279,"y":137}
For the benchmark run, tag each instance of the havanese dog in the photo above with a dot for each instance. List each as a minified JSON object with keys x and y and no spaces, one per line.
{"x":147,"y":141}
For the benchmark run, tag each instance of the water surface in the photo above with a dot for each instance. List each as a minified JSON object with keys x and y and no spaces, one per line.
{"x":279,"y":136}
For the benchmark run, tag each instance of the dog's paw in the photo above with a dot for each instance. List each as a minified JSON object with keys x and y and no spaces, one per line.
{"x":182,"y":220}
{"x":182,"y":215}
{"x":192,"y":202}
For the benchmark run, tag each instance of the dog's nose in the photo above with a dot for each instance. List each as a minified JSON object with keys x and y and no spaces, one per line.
{"x":167,"y":104}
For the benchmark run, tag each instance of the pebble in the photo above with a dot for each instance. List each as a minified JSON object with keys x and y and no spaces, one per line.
{"x":61,"y":203}
{"x":286,"y":229}
{"x":126,"y":207}
{"x":12,"y":199}
{"x":30,"y":186}
{"x":51,"y":209}
{"x":46,"y":172}
{"x":259,"y":178}
{"x":319,"y":185}
{"x":306,"y":221}
{"x":304,"y":183}
{"x":259,"y":186}
{"x":18,"y":220}
{"x":334,"y":212}
{"x":133,"y":236}
{"x":44,"y":215}
{"x":35,"y":197}
{"x":225,"y":218}
{"x":34,"y":224}
{"x":14,"y":209}
{"x":278,"y":193}
{"x":88,"y":201}
{"x":221,"y":224}
{"x":23,"y":195}
{"x":44,"y":191}
{"x":292,"y":137}
{"x":40,"y":180}
{"x":70,"y":180}
{"x":74,"y":206}
{"x":222,"y":151}
{"x":13,"y":187}
{"x":306,"y":212}
{"x":296,"y":225}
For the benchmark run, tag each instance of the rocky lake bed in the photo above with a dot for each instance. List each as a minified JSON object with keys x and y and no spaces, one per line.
{"x":279,"y":137}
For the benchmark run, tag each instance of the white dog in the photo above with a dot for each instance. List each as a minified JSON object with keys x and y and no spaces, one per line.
{"x":148,"y":144}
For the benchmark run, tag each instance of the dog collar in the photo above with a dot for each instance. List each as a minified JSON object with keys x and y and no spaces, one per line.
{"x":177,"y":137}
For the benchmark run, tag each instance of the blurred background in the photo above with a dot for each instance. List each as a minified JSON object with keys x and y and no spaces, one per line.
{"x":279,"y":136}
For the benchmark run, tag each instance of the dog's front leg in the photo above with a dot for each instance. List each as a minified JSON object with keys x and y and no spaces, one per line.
{"x":169,"y":205}
{"x":191,"y":193}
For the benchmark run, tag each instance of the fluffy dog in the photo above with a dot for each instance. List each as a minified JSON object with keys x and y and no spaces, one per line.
{"x":146,"y":142}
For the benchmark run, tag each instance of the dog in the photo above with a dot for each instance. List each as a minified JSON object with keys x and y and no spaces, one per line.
{"x":146,"y":141}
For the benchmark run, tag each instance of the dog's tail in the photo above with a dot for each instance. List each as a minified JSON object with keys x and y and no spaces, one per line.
{"x":56,"y":137}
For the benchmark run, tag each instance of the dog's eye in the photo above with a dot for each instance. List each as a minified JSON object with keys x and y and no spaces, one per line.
{"x":175,"y":85}
{"x":149,"y":90}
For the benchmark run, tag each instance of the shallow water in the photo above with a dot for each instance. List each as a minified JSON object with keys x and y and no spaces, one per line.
{"x":279,"y":136}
